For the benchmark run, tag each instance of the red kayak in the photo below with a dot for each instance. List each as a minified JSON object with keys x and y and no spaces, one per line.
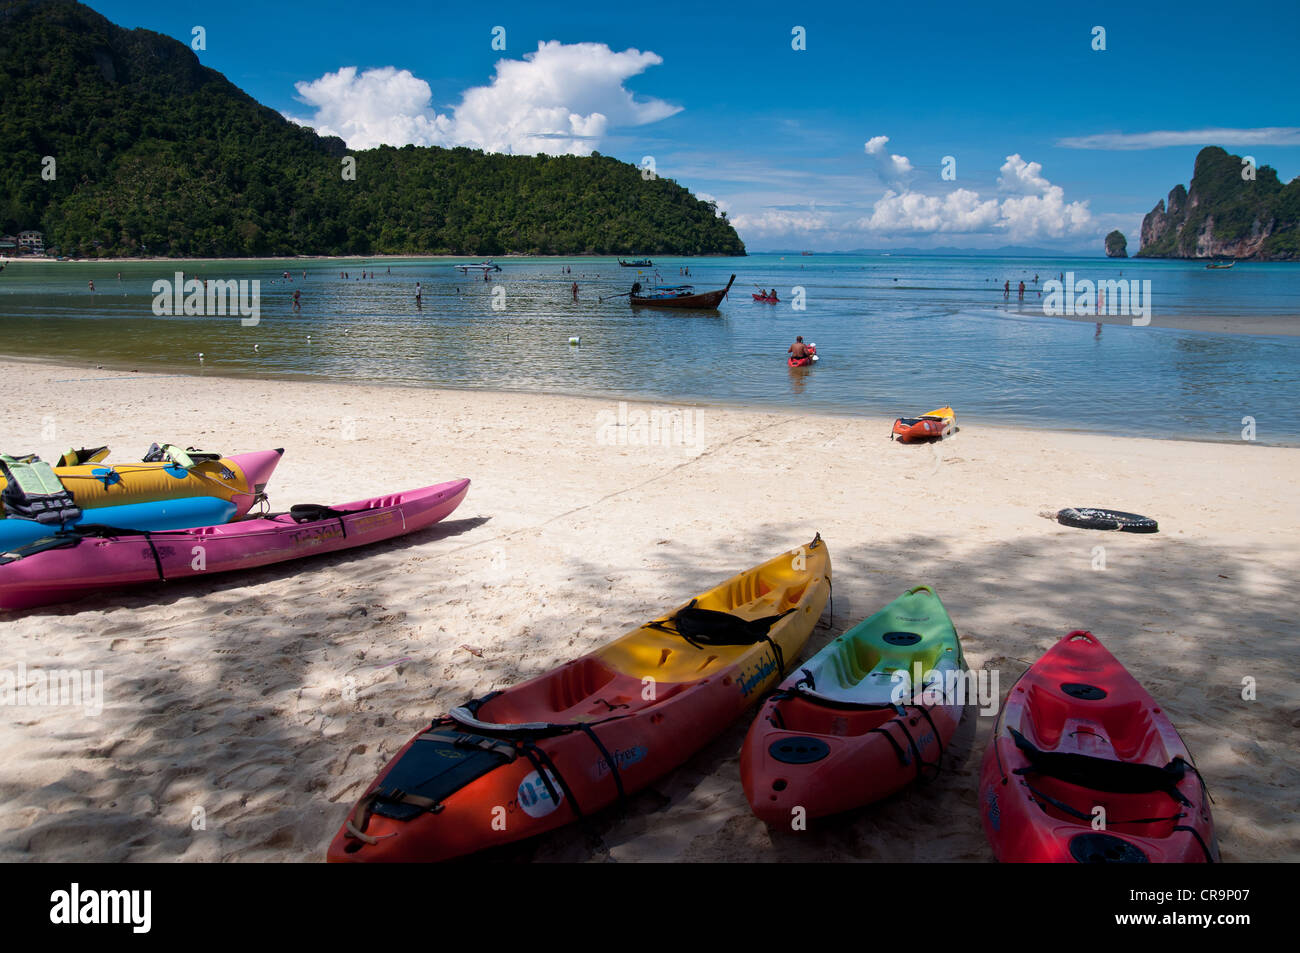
{"x":1084,"y":767}
{"x":768,"y":298}
{"x":551,"y":750}
{"x":804,"y":361}
{"x":935,"y":425}
{"x":858,"y":721}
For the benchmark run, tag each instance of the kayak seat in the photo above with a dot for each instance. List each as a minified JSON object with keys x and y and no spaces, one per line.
{"x":1142,"y":798}
{"x":873,"y":655}
{"x":74,"y":458}
{"x":1055,"y":723}
{"x":585,"y":690}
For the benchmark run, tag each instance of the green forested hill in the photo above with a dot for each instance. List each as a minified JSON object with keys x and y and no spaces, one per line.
{"x":1225,"y":214}
{"x":156,"y":154}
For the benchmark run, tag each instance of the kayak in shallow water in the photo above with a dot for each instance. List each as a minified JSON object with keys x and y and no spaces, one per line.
{"x":553,"y":749}
{"x":811,"y":359}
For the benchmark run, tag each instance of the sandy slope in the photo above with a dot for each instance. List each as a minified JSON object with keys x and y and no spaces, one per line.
{"x":269,"y":700}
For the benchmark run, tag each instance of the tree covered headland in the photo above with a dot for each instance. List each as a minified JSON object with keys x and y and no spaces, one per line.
{"x":1232,"y":210}
{"x":156,"y":154}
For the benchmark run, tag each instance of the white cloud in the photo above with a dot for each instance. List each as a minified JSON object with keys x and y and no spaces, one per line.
{"x":1262,"y":136}
{"x":380,"y":106}
{"x":1021,"y":177}
{"x":961,"y":210}
{"x":564,"y":98}
{"x":1036,"y":208}
{"x":775,"y":221}
{"x":1032,"y":216}
{"x":892,"y":168}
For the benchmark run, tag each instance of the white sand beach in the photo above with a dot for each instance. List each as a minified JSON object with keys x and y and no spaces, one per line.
{"x":243,"y":715}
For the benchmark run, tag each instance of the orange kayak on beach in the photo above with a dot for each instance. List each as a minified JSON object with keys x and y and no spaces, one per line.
{"x":519,"y":762}
{"x":935,"y":425}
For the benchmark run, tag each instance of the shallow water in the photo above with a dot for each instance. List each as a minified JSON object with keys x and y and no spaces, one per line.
{"x":896,"y":335}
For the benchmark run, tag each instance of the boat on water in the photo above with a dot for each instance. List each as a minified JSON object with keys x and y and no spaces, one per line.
{"x":483,"y":266}
{"x":807,"y":361}
{"x":678,"y":296}
{"x":1221,"y":264}
{"x":770,"y":299}
{"x":639,"y":263}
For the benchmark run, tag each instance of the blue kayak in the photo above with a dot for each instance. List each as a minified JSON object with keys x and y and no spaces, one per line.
{"x":151,"y":517}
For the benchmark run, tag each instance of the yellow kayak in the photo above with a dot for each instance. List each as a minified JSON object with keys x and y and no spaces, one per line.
{"x":937,"y":424}
{"x":238,"y":479}
{"x":603,"y":726}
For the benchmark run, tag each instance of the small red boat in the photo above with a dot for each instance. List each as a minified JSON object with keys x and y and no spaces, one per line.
{"x":770,"y":299}
{"x":1084,"y":767}
{"x":804,"y":361}
{"x":935,"y":425}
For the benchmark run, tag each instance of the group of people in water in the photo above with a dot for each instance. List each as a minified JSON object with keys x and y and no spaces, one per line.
{"x":1006,"y":287}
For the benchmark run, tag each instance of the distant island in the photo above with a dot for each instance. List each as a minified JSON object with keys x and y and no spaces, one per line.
{"x":156,"y":155}
{"x":1230,"y":211}
{"x":1116,"y":245}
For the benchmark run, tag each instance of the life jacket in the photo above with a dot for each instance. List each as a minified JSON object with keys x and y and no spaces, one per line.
{"x":34,"y":491}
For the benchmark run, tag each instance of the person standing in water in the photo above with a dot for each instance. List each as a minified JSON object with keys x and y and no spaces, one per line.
{"x":1022,"y":291}
{"x":1006,"y":288}
{"x":575,"y":291}
{"x":297,"y":305}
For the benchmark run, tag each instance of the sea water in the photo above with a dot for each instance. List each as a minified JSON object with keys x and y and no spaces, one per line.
{"x":897,"y":335}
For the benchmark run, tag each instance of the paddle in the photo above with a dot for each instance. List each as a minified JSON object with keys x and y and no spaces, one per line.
{"x":623,"y":295}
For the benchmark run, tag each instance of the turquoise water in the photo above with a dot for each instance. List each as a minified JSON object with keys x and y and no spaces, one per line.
{"x":897,"y":335}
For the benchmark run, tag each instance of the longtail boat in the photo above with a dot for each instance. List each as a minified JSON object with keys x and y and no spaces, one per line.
{"x":1221,"y":264}
{"x":639,"y":263}
{"x":679,"y":296}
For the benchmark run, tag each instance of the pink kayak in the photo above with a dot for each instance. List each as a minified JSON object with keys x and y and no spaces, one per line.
{"x":95,"y":560}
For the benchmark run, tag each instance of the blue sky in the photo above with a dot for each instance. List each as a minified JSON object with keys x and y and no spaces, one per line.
{"x":778,"y":136}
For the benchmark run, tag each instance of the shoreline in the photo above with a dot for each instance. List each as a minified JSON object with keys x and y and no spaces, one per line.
{"x":375,"y":257}
{"x":271,"y":698}
{"x":126,"y":372}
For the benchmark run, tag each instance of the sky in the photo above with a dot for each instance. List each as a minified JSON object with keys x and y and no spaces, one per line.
{"x":896,"y":125}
